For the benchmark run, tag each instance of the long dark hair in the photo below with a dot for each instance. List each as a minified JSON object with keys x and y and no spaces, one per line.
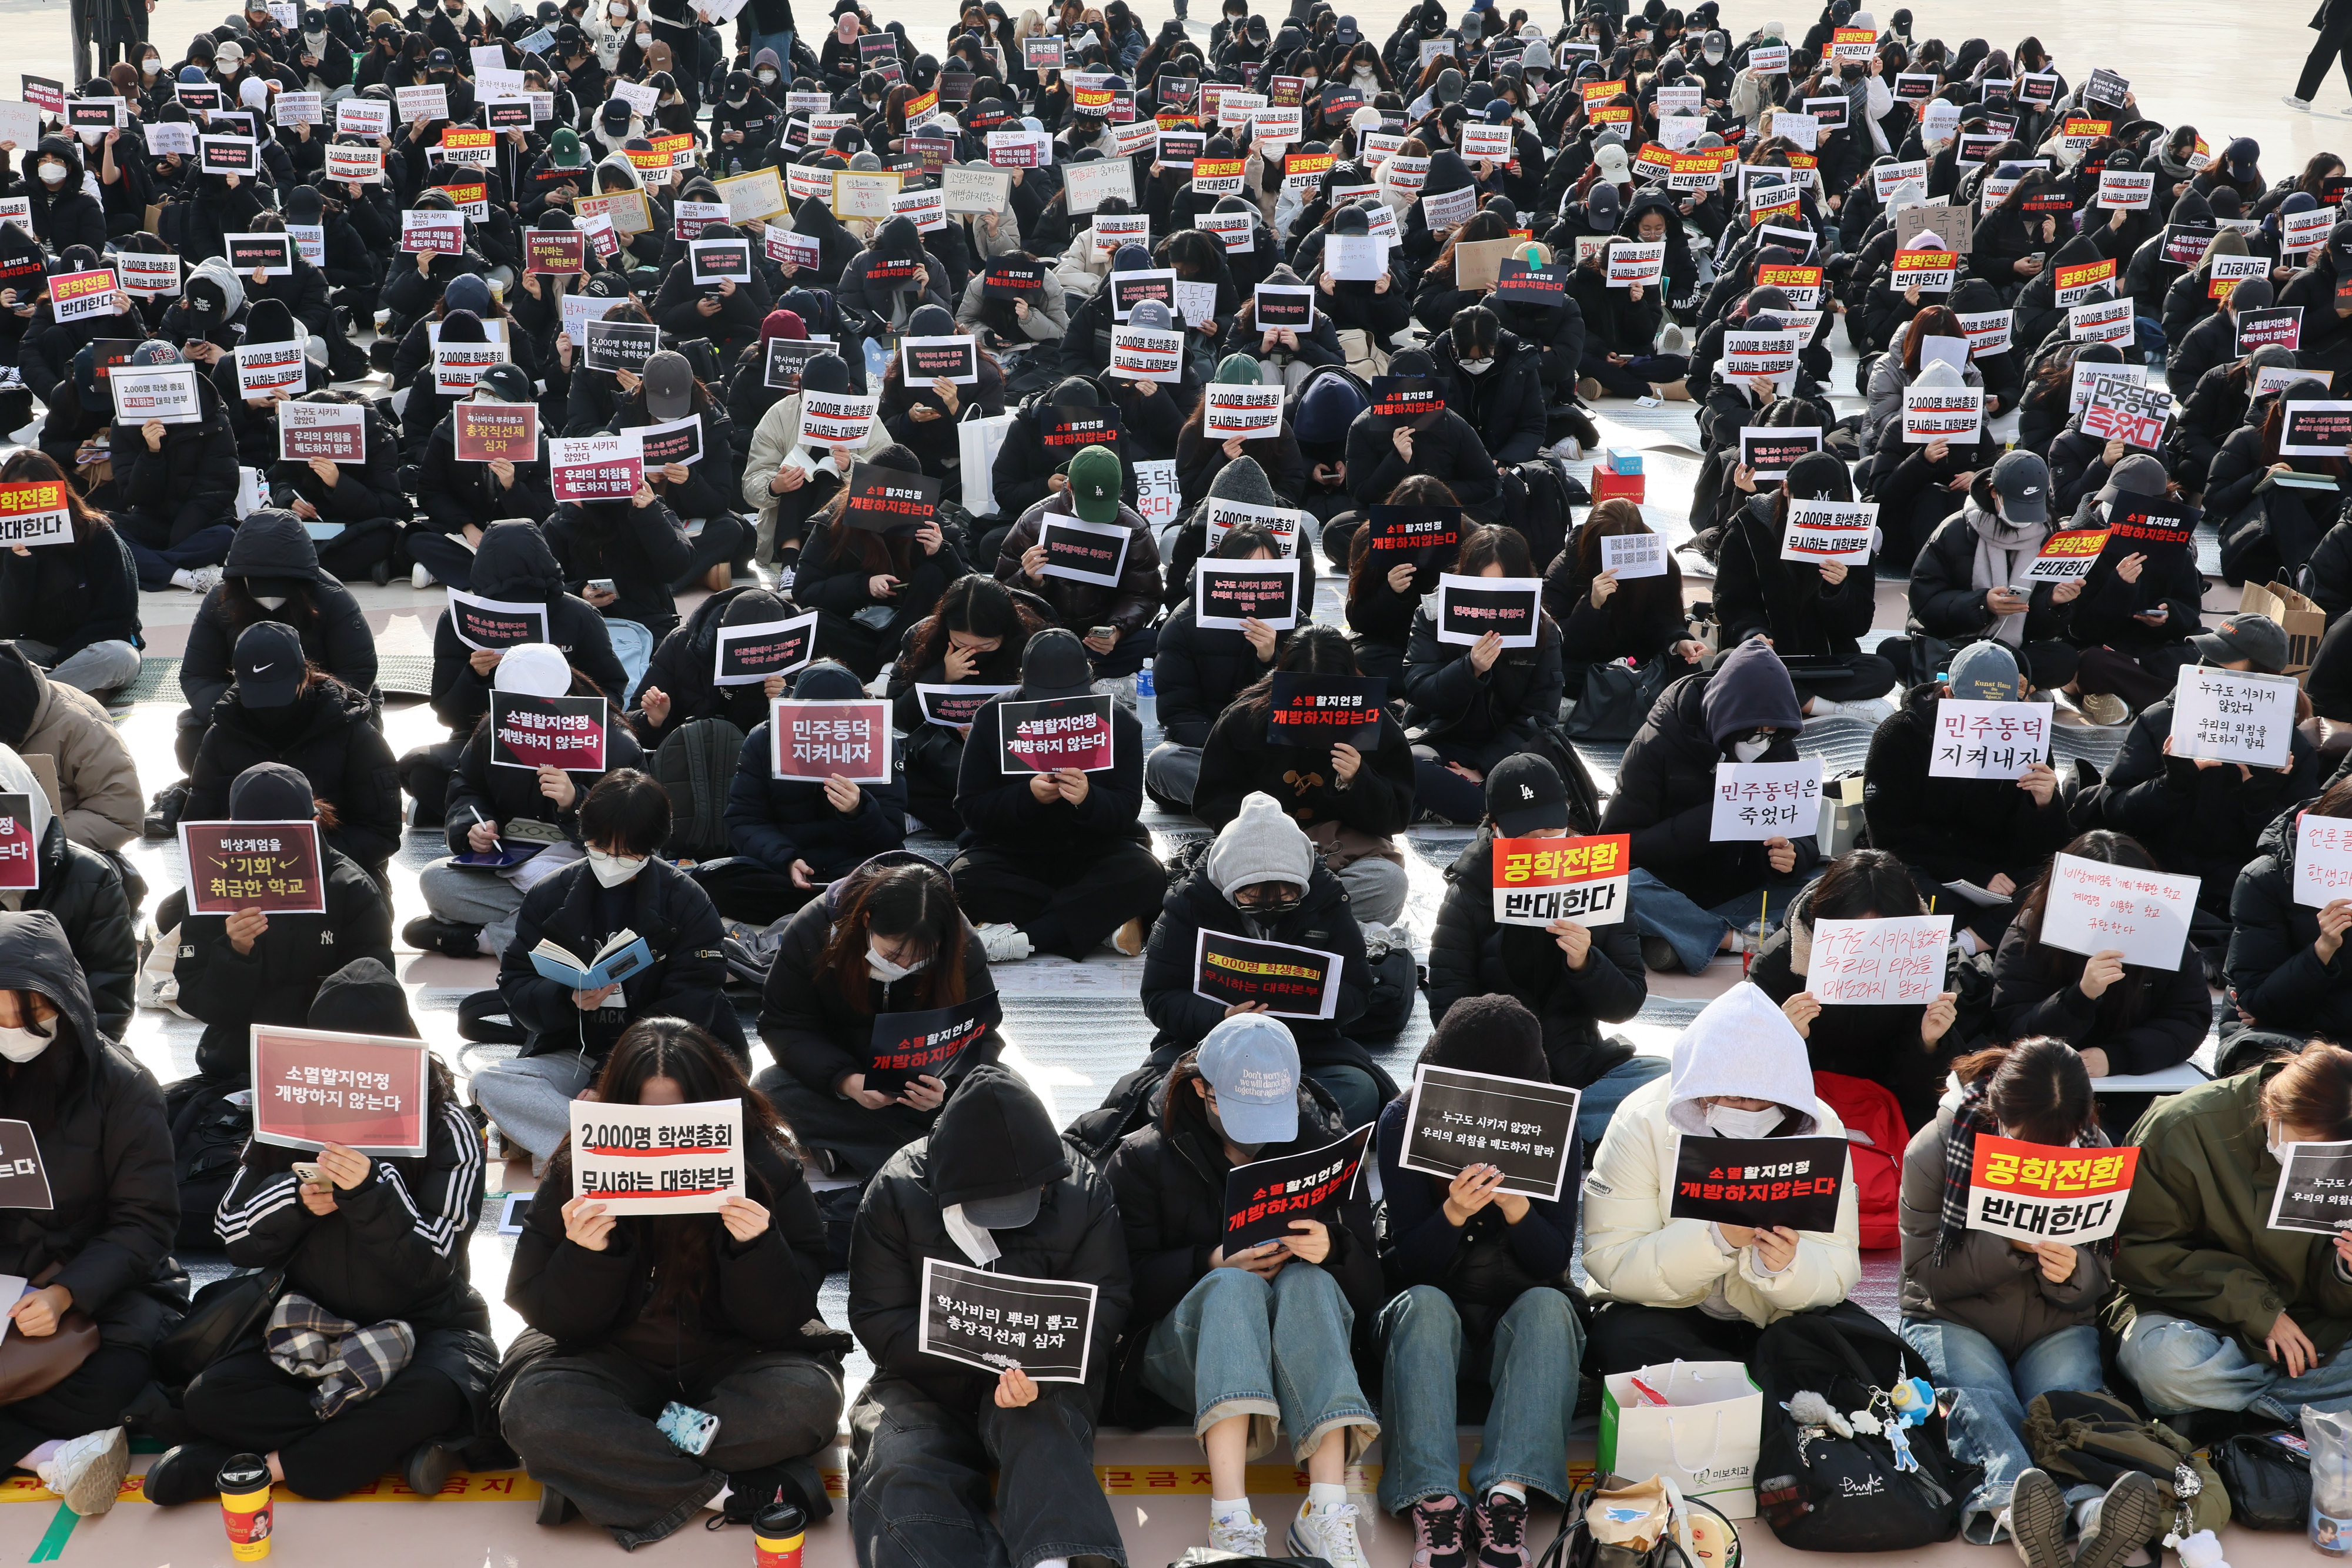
{"x":1641,"y":601}
{"x":1414,"y":490}
{"x":2039,"y":1090}
{"x":683,"y":1247}
{"x":2111,"y":848}
{"x":32,"y":465}
{"x":977,"y":605}
{"x":1932,"y":321}
{"x":908,"y":900}
{"x":1864,"y":885}
{"x":1312,"y":651}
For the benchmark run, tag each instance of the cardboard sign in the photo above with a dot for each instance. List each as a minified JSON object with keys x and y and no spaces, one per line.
{"x":263,"y":369}
{"x":884,"y":500}
{"x":2095,"y":908}
{"x":1139,"y":353}
{"x":78,"y":296}
{"x":334,"y":431}
{"x":657,"y":1159}
{"x":2233,"y":716}
{"x":1248,"y":412}
{"x":820,"y":740}
{"x":1264,"y":1197}
{"x":1088,"y":185}
{"x":1899,"y":961}
{"x":1422,"y":535}
{"x":595,"y":467}
{"x":995,"y":1322}
{"x":1524,"y":1129}
{"x":1538,"y":882}
{"x":1759,"y":1182}
{"x":2323,"y":859}
{"x":2035,"y":1192}
{"x":34,"y":512}
{"x":164,"y":394}
{"x":626,"y":209}
{"x":1632,"y":556}
{"x":1767,"y":451}
{"x":1227,"y":594}
{"x":544,"y":732}
{"x":1223,"y":516}
{"x":1758,"y":801}
{"x":1318,"y":711}
{"x":496,"y":431}
{"x":926,"y":1044}
{"x":747,"y":655}
{"x":955,"y":358}
{"x":1826,"y":531}
{"x":1470,"y":607}
{"x":1942,"y":414}
{"x":24,"y":1178}
{"x":553,"y":253}
{"x":2315,"y":429}
{"x":274,"y":867}
{"x":1056,"y":733}
{"x":313,"y":1088}
{"x":1083,"y":552}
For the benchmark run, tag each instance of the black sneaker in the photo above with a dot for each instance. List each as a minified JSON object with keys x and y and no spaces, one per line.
{"x":429,"y":1468}
{"x":187,"y":1473}
{"x":554,"y":1508}
{"x":1659,"y":957}
{"x":163,"y":811}
{"x":427,"y":935}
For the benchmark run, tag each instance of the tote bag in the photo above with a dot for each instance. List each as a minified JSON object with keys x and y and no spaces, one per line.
{"x":1703,"y":1438}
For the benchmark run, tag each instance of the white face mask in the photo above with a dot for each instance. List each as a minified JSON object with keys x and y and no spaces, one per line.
{"x":53,"y":173}
{"x":2276,"y":1136}
{"x":1733,"y":1122}
{"x":21,"y":1045}
{"x":611,"y":870}
{"x":148,"y":68}
{"x":886,"y":972}
{"x":1749,"y":751}
{"x":644,"y":40}
{"x":767,"y":77}
{"x":88,"y":137}
{"x":269,"y":601}
{"x":618,"y":13}
{"x":1474,"y":367}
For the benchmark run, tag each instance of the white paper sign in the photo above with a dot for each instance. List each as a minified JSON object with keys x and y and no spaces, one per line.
{"x":2323,"y":859}
{"x":1826,"y":531}
{"x":1632,"y":556}
{"x":1988,"y":740}
{"x":1895,"y":962}
{"x":657,"y":1159}
{"x":2232,"y":716}
{"x":1758,"y":801}
{"x":2095,"y":908}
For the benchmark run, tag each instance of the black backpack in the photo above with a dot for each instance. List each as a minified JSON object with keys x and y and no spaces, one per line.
{"x":696,"y":763}
{"x":1822,"y":1492}
{"x":209,"y":1132}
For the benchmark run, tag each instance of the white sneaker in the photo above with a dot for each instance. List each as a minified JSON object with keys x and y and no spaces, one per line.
{"x":27,"y":436}
{"x":1670,"y":341}
{"x":1242,"y":1534}
{"x":2103,"y":708}
{"x":1870,"y":710}
{"x":420,"y":578}
{"x":202,"y":579}
{"x":88,"y":1471}
{"x":1568,"y":449}
{"x":1328,"y":1532}
{"x":2294,"y":102}
{"x":1002,"y":942}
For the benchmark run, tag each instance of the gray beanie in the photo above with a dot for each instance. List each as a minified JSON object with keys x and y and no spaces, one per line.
{"x":1244,"y":481}
{"x":1260,"y":844}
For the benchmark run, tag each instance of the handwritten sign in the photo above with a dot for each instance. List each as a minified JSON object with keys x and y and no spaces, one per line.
{"x":2095,"y":908}
{"x":1894,"y":962}
{"x":1988,"y":739}
{"x":2323,"y":859}
{"x":1759,"y":800}
{"x":2232,"y":716}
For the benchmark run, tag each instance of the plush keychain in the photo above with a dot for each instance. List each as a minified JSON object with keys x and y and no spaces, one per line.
{"x":1914,"y":1400}
{"x":2202,"y":1550}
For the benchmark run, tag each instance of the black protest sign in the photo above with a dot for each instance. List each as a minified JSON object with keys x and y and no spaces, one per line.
{"x":24,"y":1180}
{"x":1525,"y":1129}
{"x":1129,"y":290}
{"x":1084,"y":551}
{"x":2315,"y":429}
{"x":1227,"y":594}
{"x":1422,"y":535}
{"x":2279,"y":324}
{"x":1523,"y":285}
{"x":2313,"y":1192}
{"x":1054,"y":733}
{"x":955,"y":705}
{"x":1284,"y":305}
{"x":1264,"y":1197}
{"x":927,"y":360}
{"x":1412,"y":401}
{"x":1767,"y":451}
{"x":715,"y":261}
{"x":1320,"y":710}
{"x":1290,"y":980}
{"x":1763,"y":1182}
{"x":997,"y":1322}
{"x":787,"y":358}
{"x":1013,"y":280}
{"x":747,"y":654}
{"x":928,"y":1044}
{"x":1064,"y":430}
{"x":672,"y":440}
{"x":1468,"y":608}
{"x":884,"y":499}
{"x":2137,"y":523}
{"x":547,"y":732}
{"x":273,"y":254}
{"x":620,"y":345}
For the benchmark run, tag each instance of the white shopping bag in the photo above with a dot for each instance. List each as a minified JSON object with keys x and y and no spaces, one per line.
{"x":1704,"y":1439}
{"x":976,"y":439}
{"x":251,"y":495}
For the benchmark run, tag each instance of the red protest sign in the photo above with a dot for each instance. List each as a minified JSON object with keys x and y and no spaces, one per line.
{"x":312,"y":1088}
{"x":2035,"y":1192}
{"x":1058,"y":732}
{"x":816,"y":741}
{"x":547,"y":732}
{"x":275,"y":867}
{"x":20,"y":851}
{"x":494,"y":432}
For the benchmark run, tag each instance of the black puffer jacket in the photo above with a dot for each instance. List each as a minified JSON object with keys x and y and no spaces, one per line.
{"x":815,"y":1033}
{"x":1504,"y":405}
{"x":682,"y":667}
{"x":83,"y":890}
{"x":514,"y":566}
{"x":776,"y":821}
{"x":1490,"y":715}
{"x":1787,"y":600}
{"x":72,"y":595}
{"x":992,"y":1138}
{"x":2150,"y":1021}
{"x":2275,"y":976}
{"x":1945,"y":601}
{"x":1449,"y":449}
{"x":189,"y":484}
{"x":1001,"y":812}
{"x":1238,"y":758}
{"x":107,"y":1151}
{"x":326,"y":735}
{"x":480,"y":790}
{"x":2205,"y":822}
{"x":643,"y":549}
{"x":1196,"y":673}
{"x":335,"y":636}
{"x":1969,"y":830}
{"x":1471,"y":955}
{"x":1322,"y":921}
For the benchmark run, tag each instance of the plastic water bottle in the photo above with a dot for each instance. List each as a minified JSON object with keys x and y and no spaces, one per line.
{"x":1147,"y":703}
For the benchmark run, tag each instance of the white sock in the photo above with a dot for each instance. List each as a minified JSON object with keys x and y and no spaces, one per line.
{"x":1509,"y":1489}
{"x":1968,"y":943}
{"x":1325,"y":1494}
{"x":1228,"y":1511}
{"x":1053,"y":1563}
{"x":716,"y":1502}
{"x":40,"y":1455}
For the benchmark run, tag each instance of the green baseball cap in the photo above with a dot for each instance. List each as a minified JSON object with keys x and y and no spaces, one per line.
{"x":1094,"y":480}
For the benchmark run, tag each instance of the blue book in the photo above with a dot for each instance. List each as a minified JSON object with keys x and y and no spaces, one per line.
{"x":618,"y":959}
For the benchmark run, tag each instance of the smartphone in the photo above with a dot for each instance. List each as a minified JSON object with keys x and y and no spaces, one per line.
{"x":690,"y":1431}
{"x":307,"y":1171}
{"x":1103,"y":633}
{"x":602,"y":585}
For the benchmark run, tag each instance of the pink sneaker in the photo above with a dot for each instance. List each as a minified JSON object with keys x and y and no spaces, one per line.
{"x":1500,"y":1526}
{"x":1437,"y":1534}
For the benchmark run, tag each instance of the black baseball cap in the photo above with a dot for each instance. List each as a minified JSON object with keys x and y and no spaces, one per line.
{"x":1524,"y":793}
{"x":268,"y":664}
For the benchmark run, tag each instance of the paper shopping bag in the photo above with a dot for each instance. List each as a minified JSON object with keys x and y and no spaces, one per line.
{"x":976,"y":439}
{"x":1703,"y":1438}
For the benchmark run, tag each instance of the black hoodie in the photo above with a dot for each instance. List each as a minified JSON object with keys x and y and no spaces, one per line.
{"x":64,"y":214}
{"x":327,"y":736}
{"x":514,"y":565}
{"x":106,"y":1149}
{"x":272,"y":552}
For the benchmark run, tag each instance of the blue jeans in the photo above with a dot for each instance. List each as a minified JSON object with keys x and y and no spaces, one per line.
{"x":1599,"y":1099}
{"x":1530,"y":1364}
{"x":633,"y":644}
{"x":1987,"y":1419}
{"x":780,"y":42}
{"x":1697,"y":934}
{"x":1240,"y":1346}
{"x":2182,"y":1366}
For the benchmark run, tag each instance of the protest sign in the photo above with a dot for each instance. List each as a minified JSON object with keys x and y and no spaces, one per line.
{"x":2315,"y":429}
{"x":1081,"y":551}
{"x":1767,"y":451}
{"x":78,"y":296}
{"x":2279,"y":324}
{"x":1630,"y":264}
{"x":955,"y":705}
{"x":457,"y":366}
{"x":1773,"y":356}
{"x":2323,"y":859}
{"x":20,"y":851}
{"x":952,"y":358}
{"x":554,"y":252}
{"x":1263,"y":1197}
{"x":835,"y":419}
{"x":747,"y":655}
{"x":2095,"y":908}
{"x":814,"y":740}
{"x":1525,"y":1129}
{"x":2232,"y":716}
{"x":2314,"y":1189}
{"x":1054,"y":733}
{"x":595,"y":467}
{"x":1470,"y":607}
{"x":926,"y":1044}
{"x":998,"y":1322}
{"x":34,"y":512}
{"x":1758,"y":801}
{"x":619,"y":345}
{"x":788,"y":358}
{"x":1826,"y":531}
{"x":1227,"y":594}
{"x":546,"y":732}
{"x":24,"y":1176}
{"x":495,"y":432}
{"x":672,"y":440}
{"x":1898,"y":961}
{"x":2101,"y":321}
{"x":2037,"y":1192}
{"x":1139,"y":353}
{"x":316,"y":1087}
{"x":2067,"y":556}
{"x":334,"y":431}
{"x":1942,"y":414}
{"x":1422,"y":535}
{"x":148,"y":277}
{"x":1292,"y":981}
{"x":494,"y":624}
{"x":657,"y":1159}
{"x":274,"y":867}
{"x":1633,"y":556}
{"x":164,"y":394}
{"x":1318,"y":710}
{"x":1987,"y":332}
{"x":1239,"y":410}
{"x":1758,"y":1182}
{"x":1539,"y":881}
{"x":1988,"y":739}
{"x":427,"y":229}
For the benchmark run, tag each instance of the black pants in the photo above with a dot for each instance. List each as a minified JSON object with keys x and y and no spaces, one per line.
{"x":2138,"y":678}
{"x":748,"y":891}
{"x":2334,"y":43}
{"x":1627,"y":1337}
{"x":725,"y":540}
{"x":425,"y":773}
{"x":247,"y":1402}
{"x":855,"y":1140}
{"x":584,"y":1424}
{"x":93,"y":1399}
{"x":1067,"y":906}
{"x":930,"y":760}
{"x":353,"y":553}
{"x":1866,"y":676}
{"x":918,"y":1481}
